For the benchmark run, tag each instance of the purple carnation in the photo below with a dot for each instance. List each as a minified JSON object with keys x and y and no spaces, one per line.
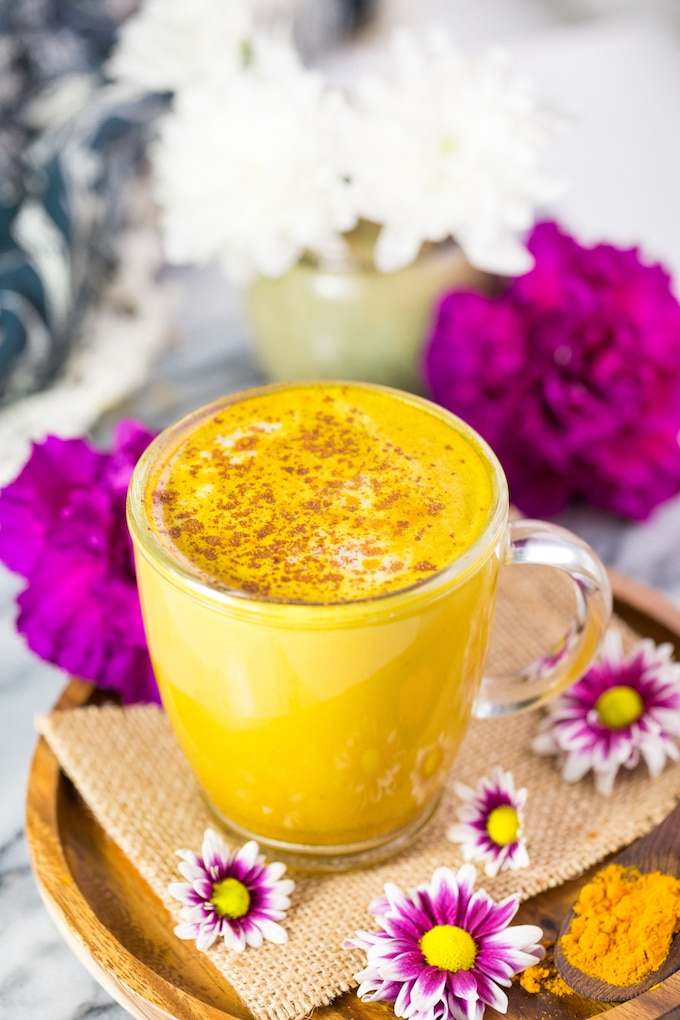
{"x":571,"y":374}
{"x":62,"y":527}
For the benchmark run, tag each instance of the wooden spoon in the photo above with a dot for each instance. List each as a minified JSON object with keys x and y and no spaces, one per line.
{"x":659,"y":850}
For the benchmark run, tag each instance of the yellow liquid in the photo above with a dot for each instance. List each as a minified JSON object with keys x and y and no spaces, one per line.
{"x":319,"y":494}
{"x":330,"y":719}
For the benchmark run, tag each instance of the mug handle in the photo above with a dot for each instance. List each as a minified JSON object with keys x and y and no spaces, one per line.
{"x":538,"y":542}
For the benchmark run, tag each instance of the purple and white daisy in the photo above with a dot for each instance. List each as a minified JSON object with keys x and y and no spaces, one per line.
{"x":231,"y":893}
{"x":444,"y":950}
{"x":491,"y":823}
{"x":626,"y":707}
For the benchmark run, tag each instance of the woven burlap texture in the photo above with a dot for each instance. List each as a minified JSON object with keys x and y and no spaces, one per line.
{"x":129,"y":770}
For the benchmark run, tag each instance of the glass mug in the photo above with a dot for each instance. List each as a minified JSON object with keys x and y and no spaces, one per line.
{"x":320,"y":722}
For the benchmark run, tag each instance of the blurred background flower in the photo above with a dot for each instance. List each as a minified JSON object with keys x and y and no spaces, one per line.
{"x":168,"y":44}
{"x":572,"y":374}
{"x":259,"y":161}
{"x":439,"y":145}
{"x":265,"y":168}
{"x":247,"y":172}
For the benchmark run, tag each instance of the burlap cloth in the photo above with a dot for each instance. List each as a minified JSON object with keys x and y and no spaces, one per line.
{"x":127,"y":767}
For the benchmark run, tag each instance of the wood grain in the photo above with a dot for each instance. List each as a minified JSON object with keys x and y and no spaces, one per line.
{"x":123,"y":935}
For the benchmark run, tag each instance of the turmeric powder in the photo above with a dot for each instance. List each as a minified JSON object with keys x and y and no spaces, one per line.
{"x":543,"y":976}
{"x":623,"y":925}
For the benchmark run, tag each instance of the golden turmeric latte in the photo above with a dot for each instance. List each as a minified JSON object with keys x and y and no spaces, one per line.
{"x":324,"y":493}
{"x":311,"y":711}
{"x":623,"y":925}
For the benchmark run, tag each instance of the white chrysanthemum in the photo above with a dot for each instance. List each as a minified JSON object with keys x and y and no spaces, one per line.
{"x":442,"y":146}
{"x":172,"y":43}
{"x":249,"y":174}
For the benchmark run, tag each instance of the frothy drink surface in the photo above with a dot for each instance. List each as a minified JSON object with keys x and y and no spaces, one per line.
{"x":323,"y":493}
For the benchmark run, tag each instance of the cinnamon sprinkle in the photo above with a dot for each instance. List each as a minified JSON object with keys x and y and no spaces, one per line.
{"x":320,"y":493}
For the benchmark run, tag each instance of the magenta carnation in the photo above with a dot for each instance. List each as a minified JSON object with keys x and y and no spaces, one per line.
{"x":572,"y":374}
{"x":62,"y":527}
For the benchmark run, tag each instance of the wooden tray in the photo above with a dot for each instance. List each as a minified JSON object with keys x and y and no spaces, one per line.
{"x":123,"y":935}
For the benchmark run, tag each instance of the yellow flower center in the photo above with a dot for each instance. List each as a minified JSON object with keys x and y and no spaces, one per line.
{"x":449,"y":947}
{"x":230,"y":898}
{"x":618,"y":707}
{"x":503,"y":825}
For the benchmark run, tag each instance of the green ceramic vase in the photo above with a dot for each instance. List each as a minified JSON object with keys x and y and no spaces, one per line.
{"x":340,"y":318}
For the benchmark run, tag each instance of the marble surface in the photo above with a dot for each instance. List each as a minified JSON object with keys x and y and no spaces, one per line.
{"x":39,"y":976}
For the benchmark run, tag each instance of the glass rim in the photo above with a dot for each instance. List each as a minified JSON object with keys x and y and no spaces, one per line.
{"x":182,"y":574}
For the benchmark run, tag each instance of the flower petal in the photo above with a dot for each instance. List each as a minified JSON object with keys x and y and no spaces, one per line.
{"x":272,"y":931}
{"x":427,"y":989}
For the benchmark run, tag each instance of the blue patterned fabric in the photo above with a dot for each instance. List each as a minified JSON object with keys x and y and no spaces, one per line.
{"x":69,"y":146}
